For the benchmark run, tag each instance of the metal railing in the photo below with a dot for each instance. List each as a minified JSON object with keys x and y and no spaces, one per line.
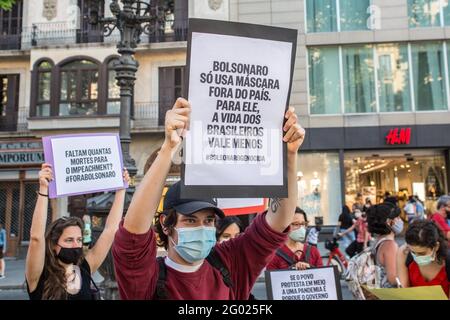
{"x":64,"y":33}
{"x":19,"y":124}
{"x":10,"y":41}
{"x":146,"y":115}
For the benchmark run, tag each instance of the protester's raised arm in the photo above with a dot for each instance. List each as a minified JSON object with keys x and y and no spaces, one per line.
{"x":147,"y":196}
{"x":97,"y":254}
{"x":281,"y":211}
{"x":34,"y":264}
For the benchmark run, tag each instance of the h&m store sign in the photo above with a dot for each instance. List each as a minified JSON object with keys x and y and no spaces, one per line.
{"x":400,"y":136}
{"x":21,"y":152}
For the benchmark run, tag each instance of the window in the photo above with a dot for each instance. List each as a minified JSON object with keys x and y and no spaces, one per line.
{"x":359,"y":81}
{"x":424,"y":13}
{"x":429,"y":76}
{"x":171,"y":86}
{"x":393,"y":78}
{"x":319,"y":190}
{"x":79,"y":88}
{"x":9,"y":98}
{"x":354,"y":14}
{"x":44,"y":77}
{"x":324,"y":80}
{"x":113,"y":101}
{"x":321,"y":16}
{"x":446,"y":11}
{"x":11,"y":27}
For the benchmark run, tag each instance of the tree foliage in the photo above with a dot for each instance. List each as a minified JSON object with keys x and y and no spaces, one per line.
{"x":6,"y":4}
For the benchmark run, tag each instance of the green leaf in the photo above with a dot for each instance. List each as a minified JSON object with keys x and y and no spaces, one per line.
{"x":6,"y":4}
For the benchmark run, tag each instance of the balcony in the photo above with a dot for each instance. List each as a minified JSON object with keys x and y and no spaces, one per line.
{"x":145,"y":119}
{"x":14,"y":123}
{"x":65,"y":33}
{"x":10,"y":41}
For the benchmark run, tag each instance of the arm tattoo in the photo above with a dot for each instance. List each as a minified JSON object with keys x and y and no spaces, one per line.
{"x":275,"y":204}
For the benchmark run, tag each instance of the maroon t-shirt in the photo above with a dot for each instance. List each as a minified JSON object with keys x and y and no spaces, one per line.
{"x":278,"y":263}
{"x":245,"y":256}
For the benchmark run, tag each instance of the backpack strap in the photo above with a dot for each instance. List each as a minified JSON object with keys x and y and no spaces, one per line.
{"x":161,"y":292}
{"x":284,"y":256}
{"x":376,"y":247}
{"x":213,"y":259}
{"x":217,"y":263}
{"x":308,"y":253}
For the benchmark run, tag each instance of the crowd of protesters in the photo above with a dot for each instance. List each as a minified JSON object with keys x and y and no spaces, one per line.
{"x":211,"y":256}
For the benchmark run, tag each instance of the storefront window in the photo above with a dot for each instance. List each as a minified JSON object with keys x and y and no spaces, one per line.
{"x":354,"y":14}
{"x":374,"y":174}
{"x":319,"y":190}
{"x":393,"y":78}
{"x":429,"y":76}
{"x":321,"y":15}
{"x":324,"y":82}
{"x":359,"y":80}
{"x":424,"y":13}
{"x":446,"y":11}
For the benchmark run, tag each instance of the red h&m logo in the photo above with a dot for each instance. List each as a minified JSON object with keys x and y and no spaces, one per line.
{"x":399,"y":136}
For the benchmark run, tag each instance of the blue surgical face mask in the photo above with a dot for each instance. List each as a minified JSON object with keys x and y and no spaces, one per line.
{"x":195,"y":244}
{"x":424,"y":260}
{"x":397,"y":228}
{"x":298,"y":235}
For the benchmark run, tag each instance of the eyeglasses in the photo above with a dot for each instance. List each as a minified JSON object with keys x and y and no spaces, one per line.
{"x":295,"y":224}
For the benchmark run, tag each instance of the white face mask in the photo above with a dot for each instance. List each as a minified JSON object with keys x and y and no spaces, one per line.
{"x":397,"y":228}
{"x":298,"y":235}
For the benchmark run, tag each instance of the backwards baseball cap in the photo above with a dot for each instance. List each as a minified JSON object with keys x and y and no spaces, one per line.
{"x":187,"y":207}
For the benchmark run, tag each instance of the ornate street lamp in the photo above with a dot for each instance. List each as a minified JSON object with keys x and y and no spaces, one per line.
{"x":132,"y":19}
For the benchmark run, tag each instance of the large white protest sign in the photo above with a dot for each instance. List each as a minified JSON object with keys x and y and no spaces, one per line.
{"x":311,"y":284}
{"x":239,"y":84}
{"x":84,"y":163}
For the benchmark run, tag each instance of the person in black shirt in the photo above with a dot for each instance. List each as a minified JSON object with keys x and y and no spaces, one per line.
{"x":55,"y":267}
{"x":345,"y":221}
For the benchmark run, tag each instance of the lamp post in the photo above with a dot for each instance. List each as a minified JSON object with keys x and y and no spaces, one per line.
{"x":132,"y":18}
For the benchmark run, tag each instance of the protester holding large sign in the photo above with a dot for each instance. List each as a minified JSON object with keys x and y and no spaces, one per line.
{"x":295,"y":252}
{"x":240,"y":77}
{"x":56,"y":267}
{"x":186,"y":229}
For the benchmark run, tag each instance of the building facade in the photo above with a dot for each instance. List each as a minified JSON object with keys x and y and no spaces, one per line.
{"x":371,"y":85}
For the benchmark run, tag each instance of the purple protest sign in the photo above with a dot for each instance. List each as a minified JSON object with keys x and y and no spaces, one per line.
{"x":84,"y":163}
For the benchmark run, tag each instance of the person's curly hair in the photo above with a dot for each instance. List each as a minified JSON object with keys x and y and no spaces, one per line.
{"x":425,"y":233}
{"x":377,"y":216}
{"x":169,"y":223}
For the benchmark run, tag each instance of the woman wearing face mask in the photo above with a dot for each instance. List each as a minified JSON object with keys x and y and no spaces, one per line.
{"x":362,"y":237}
{"x":56,"y":268}
{"x":296,"y":253}
{"x":384,"y":221}
{"x":228,"y":228}
{"x":424,"y":260}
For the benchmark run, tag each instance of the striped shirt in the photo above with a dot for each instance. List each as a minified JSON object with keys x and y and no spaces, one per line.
{"x":313,"y":236}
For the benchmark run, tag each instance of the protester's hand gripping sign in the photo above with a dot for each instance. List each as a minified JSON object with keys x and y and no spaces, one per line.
{"x":84,"y":163}
{"x":240,"y":77}
{"x":310,"y":284}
